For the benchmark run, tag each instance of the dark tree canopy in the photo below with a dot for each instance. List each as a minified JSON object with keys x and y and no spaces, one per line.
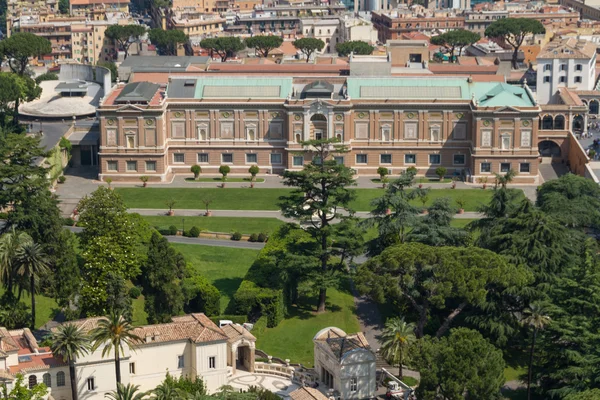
{"x":355,"y":46}
{"x":308,"y":46}
{"x":455,"y":40}
{"x":21,"y":46}
{"x":167,"y":41}
{"x":125,"y":35}
{"x":263,"y":44}
{"x":224,"y":46}
{"x":64,"y":6}
{"x":514,"y":31}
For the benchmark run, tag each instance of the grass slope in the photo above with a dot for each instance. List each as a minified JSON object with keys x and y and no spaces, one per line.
{"x":267,"y":199}
{"x":292,"y":338}
{"x":218,"y":224}
{"x":224,"y":267}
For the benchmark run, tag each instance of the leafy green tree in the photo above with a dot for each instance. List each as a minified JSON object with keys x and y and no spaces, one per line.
{"x":396,"y":338}
{"x":114,"y":333}
{"x":10,"y":247}
{"x":393,"y":213}
{"x":505,"y":179}
{"x":67,"y":343}
{"x":514,"y":31}
{"x":454,"y":40}
{"x":21,"y":391}
{"x":126,"y":392}
{"x":12,"y":89}
{"x":167,"y":41}
{"x":184,"y":385}
{"x":20,"y":177}
{"x":20,"y":47}
{"x":117,"y":296}
{"x":264,"y":44}
{"x":435,"y":229}
{"x":48,"y":76}
{"x":357,"y":47}
{"x":320,"y":191}
{"x":112,"y":67}
{"x":572,"y":200}
{"x":201,"y":295}
{"x":440,"y":280}
{"x":462,"y":365}
{"x":161,"y":280}
{"x":536,"y":319}
{"x":31,"y":263}
{"x":196,"y":170}
{"x":125,"y":35}
{"x":224,"y":46}
{"x":592,"y":394}
{"x":64,"y":7}
{"x":308,"y":46}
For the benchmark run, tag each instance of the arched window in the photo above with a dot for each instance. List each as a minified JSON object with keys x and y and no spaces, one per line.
{"x":559,"y":122}
{"x":547,"y":122}
{"x":60,"y":378}
{"x":594,"y":107}
{"x":32,"y":381}
{"x":47,"y":379}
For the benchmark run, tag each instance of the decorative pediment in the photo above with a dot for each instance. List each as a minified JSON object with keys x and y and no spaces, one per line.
{"x":129,"y":107}
{"x":319,"y":107}
{"x":507,"y":110}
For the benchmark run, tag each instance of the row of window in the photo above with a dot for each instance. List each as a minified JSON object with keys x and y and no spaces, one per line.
{"x":212,"y":362}
{"x":47,"y":379}
{"x":486,"y":168}
{"x":434,"y":159}
{"x":563,"y":79}
{"x":563,"y":67}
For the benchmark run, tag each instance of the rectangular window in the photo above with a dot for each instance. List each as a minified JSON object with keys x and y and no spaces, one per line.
{"x":547,"y":67}
{"x":91,"y":385}
{"x":131,"y":166}
{"x":361,"y":158}
{"x":524,"y":168}
{"x":150,"y":166}
{"x":486,"y":168}
{"x":212,"y":362}
{"x":227,"y":158}
{"x":251,"y":158}
{"x":563,"y":67}
{"x":179,"y":158}
{"x":132,"y":368}
{"x":435,"y":159}
{"x":546,"y":79}
{"x":410,"y":159}
{"x":339,"y":160}
{"x":385,"y":159}
{"x":562,"y":79}
{"x":504,"y":167}
{"x":577,"y":79}
{"x":353,"y":384}
{"x":275,"y":158}
{"x":180,"y":362}
{"x":458,"y":159}
{"x":112,"y":165}
{"x":579,"y":67}
{"x":203,"y":158}
{"x":297,"y":161}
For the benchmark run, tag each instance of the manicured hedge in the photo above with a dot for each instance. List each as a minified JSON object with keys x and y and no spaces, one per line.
{"x":251,"y":298}
{"x":206,"y":299}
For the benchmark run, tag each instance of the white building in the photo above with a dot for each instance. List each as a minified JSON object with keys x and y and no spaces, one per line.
{"x":569,"y":63}
{"x":325,"y":29}
{"x":345,"y":363}
{"x":191,"y":345}
{"x":357,"y":29}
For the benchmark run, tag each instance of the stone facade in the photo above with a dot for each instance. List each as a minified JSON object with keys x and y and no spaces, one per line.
{"x":474,"y":129}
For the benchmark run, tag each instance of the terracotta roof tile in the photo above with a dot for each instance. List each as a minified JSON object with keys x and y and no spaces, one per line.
{"x":234,"y":332}
{"x":340,"y":343}
{"x":7,"y":342}
{"x":307,"y":393}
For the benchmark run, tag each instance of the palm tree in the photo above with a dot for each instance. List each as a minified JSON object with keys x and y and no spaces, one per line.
{"x":126,"y":392}
{"x":505,"y":179}
{"x":68,"y":343}
{"x":31,"y":262}
{"x":114,"y":332}
{"x":10,"y":243}
{"x":397,"y":336}
{"x":535,"y":318}
{"x":167,"y":391}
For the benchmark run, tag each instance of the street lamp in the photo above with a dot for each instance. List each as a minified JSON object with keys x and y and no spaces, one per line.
{"x":182,"y":226}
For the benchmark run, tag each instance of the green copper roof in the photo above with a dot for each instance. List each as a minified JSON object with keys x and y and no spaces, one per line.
{"x":490,"y":94}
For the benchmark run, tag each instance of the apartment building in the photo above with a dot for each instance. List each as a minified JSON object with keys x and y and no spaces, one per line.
{"x":325,"y":29}
{"x":96,"y":9}
{"x":472,"y":128}
{"x":565,"y":63}
{"x":391,"y":25}
{"x":196,"y":25}
{"x":190,"y":345}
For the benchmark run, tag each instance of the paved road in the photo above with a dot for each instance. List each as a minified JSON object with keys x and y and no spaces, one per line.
{"x":203,"y":242}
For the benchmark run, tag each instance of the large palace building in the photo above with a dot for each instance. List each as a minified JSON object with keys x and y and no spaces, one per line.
{"x":474,"y":129}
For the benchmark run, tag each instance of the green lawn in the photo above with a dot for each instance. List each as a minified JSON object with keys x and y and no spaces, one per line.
{"x":218,"y":224}
{"x":292,"y":338}
{"x":224,"y":267}
{"x":45,"y":307}
{"x":512,"y":373}
{"x":267,"y":199}
{"x":220,"y":180}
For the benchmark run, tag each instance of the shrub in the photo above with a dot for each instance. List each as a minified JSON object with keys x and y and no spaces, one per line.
{"x":251,"y":298}
{"x":65,"y":144}
{"x":172,"y":230}
{"x":203,"y":296}
{"x":62,"y":179}
{"x":194,"y":232}
{"x":3,"y":215}
{"x":48,"y":76}
{"x":196,"y":170}
{"x":224,"y":170}
{"x":441,"y":172}
{"x":135,"y":292}
{"x":262,"y":237}
{"x":68,"y":221}
{"x":253,"y":238}
{"x":254,"y":170}
{"x":236,"y":236}
{"x":412,"y":170}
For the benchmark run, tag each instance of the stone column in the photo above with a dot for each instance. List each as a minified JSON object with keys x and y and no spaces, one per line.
{"x":251,"y":349}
